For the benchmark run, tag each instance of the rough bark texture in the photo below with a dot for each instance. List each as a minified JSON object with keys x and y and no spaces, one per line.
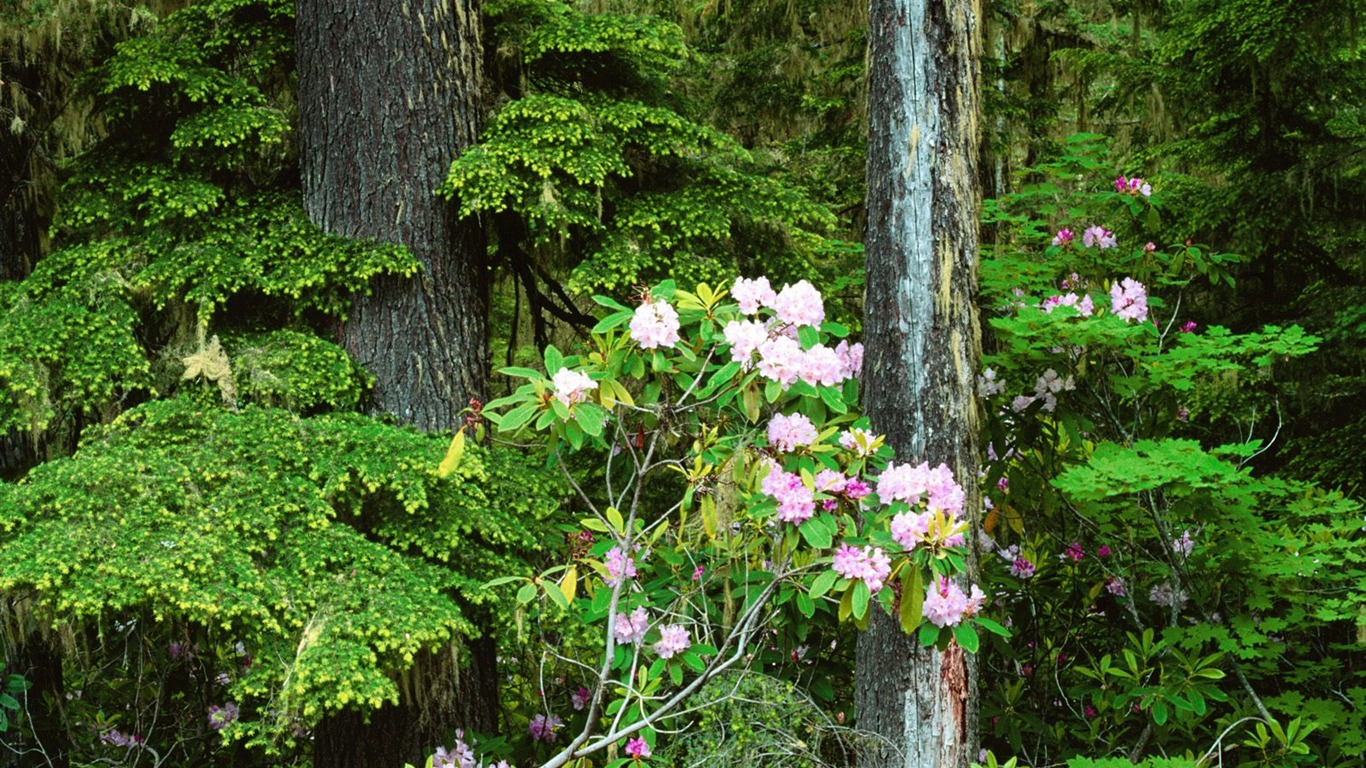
{"x":922,"y":338}
{"x":389,"y":94}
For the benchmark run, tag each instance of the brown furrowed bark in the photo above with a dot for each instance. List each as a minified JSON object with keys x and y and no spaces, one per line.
{"x":389,"y":94}
{"x":922,"y":338}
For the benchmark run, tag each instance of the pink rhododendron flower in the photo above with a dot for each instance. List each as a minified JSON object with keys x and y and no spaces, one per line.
{"x":1083,"y":304}
{"x":781,"y":359}
{"x":800,"y":304}
{"x":673,"y":639}
{"x":851,"y":355}
{"x":788,"y":433}
{"x":1129,"y":300}
{"x":946,"y":605}
{"x":1104,"y":551}
{"x":637,"y":748}
{"x":1096,"y":236}
{"x":910,"y":528}
{"x":796,"y":502}
{"x":571,"y":386}
{"x":1184,"y":545}
{"x":655,"y":324}
{"x":1021,"y":568}
{"x":618,"y":566}
{"x":830,"y":481}
{"x":745,"y":338}
{"x":753,"y":294}
{"x":1075,"y":552}
{"x":903,"y":482}
{"x":630,"y":629}
{"x":544,"y":728}
{"x":580,"y":698}
{"x":1189,"y":326}
{"x":858,"y":440}
{"x":1115,"y":587}
{"x":869,"y":564}
{"x":1064,"y":237}
{"x":822,"y":366}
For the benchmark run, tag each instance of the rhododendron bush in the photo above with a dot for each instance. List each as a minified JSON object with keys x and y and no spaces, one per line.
{"x":738,"y":487}
{"x":1164,"y":598}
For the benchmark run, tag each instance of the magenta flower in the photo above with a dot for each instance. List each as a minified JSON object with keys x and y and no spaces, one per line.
{"x":1189,"y":326}
{"x":1115,"y":587}
{"x":1021,"y":568}
{"x":544,"y":728}
{"x":580,"y":698}
{"x":1075,"y":552}
{"x":637,"y":748}
{"x":1104,"y":551}
{"x":1064,"y":237}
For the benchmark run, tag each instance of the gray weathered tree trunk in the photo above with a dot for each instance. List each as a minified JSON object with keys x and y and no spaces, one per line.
{"x":389,"y":94}
{"x":922,"y":338}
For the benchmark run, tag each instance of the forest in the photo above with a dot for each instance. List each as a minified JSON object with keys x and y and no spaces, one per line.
{"x":629,"y":383}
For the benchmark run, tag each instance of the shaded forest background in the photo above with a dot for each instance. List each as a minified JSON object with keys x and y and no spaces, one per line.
{"x":177,"y":332}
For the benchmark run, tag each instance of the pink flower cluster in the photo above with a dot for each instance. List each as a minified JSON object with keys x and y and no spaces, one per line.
{"x":860,"y":441}
{"x":1064,"y":237}
{"x":1083,"y":304}
{"x":903,"y":482}
{"x":782,"y":359}
{"x":787,"y":433}
{"x":571,"y":386}
{"x":796,"y":502}
{"x":462,"y":756}
{"x":544,"y":728}
{"x":619,"y":566}
{"x":655,"y":324}
{"x":1097,"y":236}
{"x":946,"y":605}
{"x":1129,"y":300}
{"x":673,"y":639}
{"x":870,"y":564}
{"x":799,"y":304}
{"x":988,"y":384}
{"x":1134,"y":186}
{"x":630,"y":629}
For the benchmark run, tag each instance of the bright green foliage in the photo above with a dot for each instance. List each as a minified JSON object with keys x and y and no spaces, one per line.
{"x":328,"y":546}
{"x":183,"y":209}
{"x":595,"y":163}
{"x":1123,"y":450}
{"x":295,"y":371}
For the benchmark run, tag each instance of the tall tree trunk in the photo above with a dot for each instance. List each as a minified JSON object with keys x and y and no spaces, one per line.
{"x":389,"y":95}
{"x":922,"y":338}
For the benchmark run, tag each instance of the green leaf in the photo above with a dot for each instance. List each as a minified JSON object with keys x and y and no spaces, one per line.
{"x":824,"y":581}
{"x":816,"y":533}
{"x":556,"y":595}
{"x":966,"y":637}
{"x":517,"y":418}
{"x":612,"y":321}
{"x":554,"y":361}
{"x":525,"y":373}
{"x":860,"y":600}
{"x":911,"y":611}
